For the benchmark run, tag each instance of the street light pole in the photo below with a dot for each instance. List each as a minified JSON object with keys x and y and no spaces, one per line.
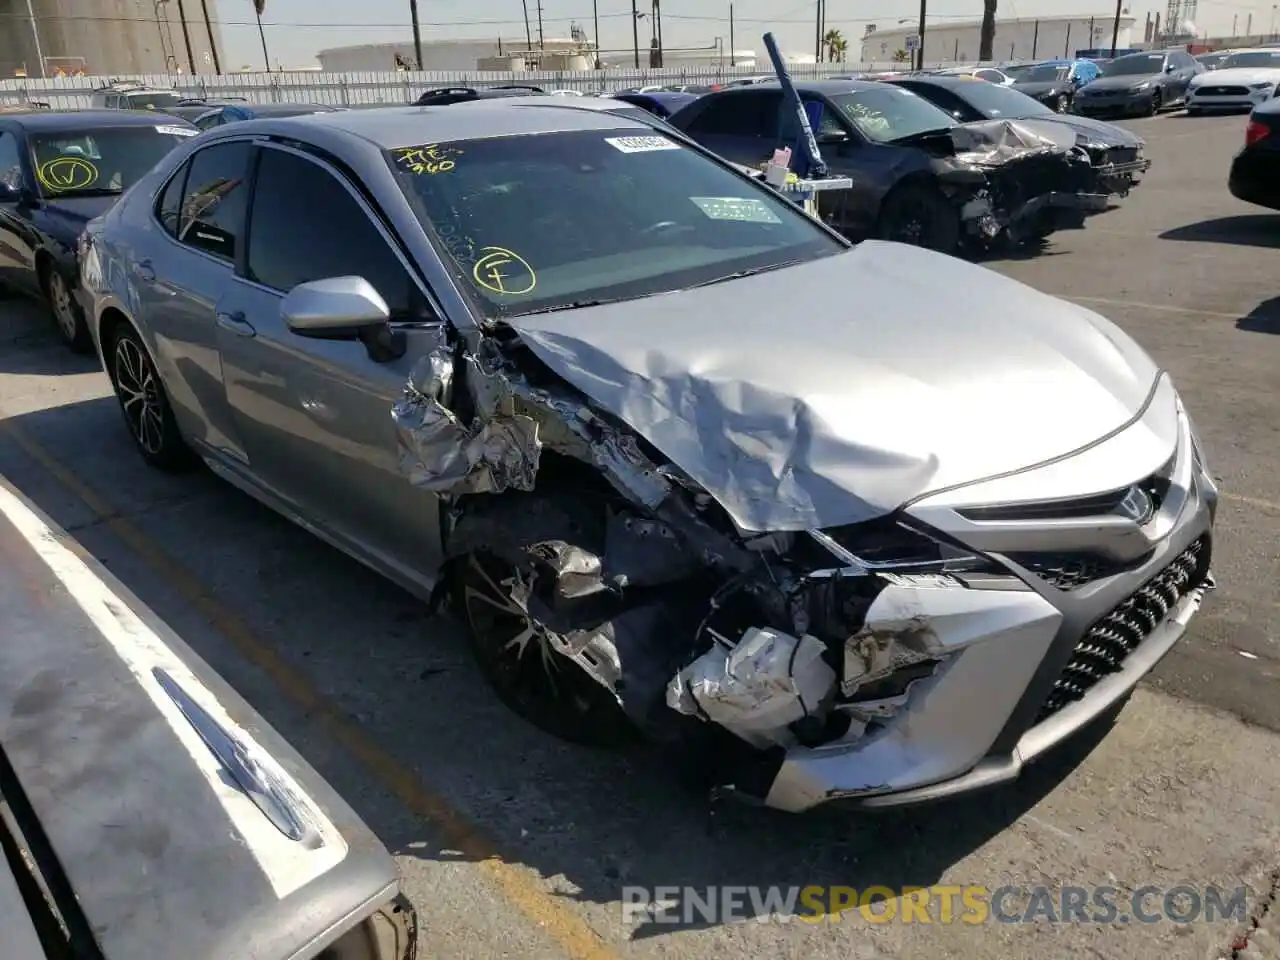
{"x":732,"y":61}
{"x":35,"y":32}
{"x":595,"y":27}
{"x":924,"y":9}
{"x":417,"y":32}
{"x":635,"y":32}
{"x":1115,"y":28}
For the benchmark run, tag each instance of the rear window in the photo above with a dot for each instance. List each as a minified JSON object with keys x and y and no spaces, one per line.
{"x":551,"y":221}
{"x":1138,"y":65}
{"x":101,"y":162}
{"x":152,"y":101}
{"x":1001,"y":103}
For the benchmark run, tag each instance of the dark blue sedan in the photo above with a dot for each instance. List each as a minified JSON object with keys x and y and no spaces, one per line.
{"x":235,"y":112}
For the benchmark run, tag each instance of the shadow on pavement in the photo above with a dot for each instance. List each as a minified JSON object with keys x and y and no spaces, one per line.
{"x":603,"y":821}
{"x":1250,"y":230}
{"x":1264,"y":318}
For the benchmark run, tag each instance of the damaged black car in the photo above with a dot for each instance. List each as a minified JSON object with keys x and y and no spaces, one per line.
{"x":918,"y":176}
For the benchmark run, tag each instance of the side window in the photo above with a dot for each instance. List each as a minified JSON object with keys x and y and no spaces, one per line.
{"x":989,"y":75}
{"x":789,"y":128}
{"x":306,"y":226}
{"x":169,"y":206}
{"x":738,"y":114}
{"x":213,"y":204}
{"x":209,"y":120}
{"x":10,"y":161}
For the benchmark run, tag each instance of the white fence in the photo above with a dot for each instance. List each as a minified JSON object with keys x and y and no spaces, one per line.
{"x":373,"y":89}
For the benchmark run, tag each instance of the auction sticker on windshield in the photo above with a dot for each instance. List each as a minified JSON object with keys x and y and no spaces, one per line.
{"x":641,"y":144}
{"x":176,"y":131}
{"x":743,"y":209}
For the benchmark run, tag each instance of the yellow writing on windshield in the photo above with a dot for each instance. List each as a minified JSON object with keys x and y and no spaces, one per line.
{"x":67,"y":173}
{"x":427,"y":159}
{"x":500,"y":270}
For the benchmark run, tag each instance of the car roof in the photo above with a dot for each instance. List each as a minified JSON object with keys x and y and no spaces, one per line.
{"x":948,"y":81}
{"x":284,"y":109}
{"x":827,"y":86}
{"x":390,"y":127}
{"x":58,"y":120}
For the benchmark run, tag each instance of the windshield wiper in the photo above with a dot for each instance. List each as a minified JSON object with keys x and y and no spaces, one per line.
{"x":572,"y":305}
{"x":87,"y":192}
{"x":746,"y":273}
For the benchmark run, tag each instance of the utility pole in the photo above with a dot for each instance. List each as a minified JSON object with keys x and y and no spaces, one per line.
{"x":1066,"y":44}
{"x":528,"y":37}
{"x":924,"y":9}
{"x":822,"y":25}
{"x":1035,"y":39}
{"x":540,"y":42}
{"x":635,"y":32}
{"x":417,"y":32}
{"x":732,"y":62}
{"x":186,"y":37}
{"x":657,"y":19}
{"x":1115,"y":27}
{"x":213,"y":41}
{"x":595,"y":25}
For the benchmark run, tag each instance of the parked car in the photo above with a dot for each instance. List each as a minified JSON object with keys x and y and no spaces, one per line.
{"x":441,"y":96}
{"x":990,"y":74}
{"x":126,"y":95}
{"x":1211,"y":61}
{"x":150,"y":811}
{"x":1140,"y":83}
{"x":1242,"y":81}
{"x":238,"y":112}
{"x":1053,"y":83}
{"x":661,"y":104}
{"x":58,"y":170}
{"x":1255,"y":171}
{"x":617,"y":104}
{"x":916,"y":172}
{"x":1116,"y":153}
{"x":191,"y":107}
{"x":654,"y":512}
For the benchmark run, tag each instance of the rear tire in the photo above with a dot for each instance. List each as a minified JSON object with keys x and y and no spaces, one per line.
{"x":922,"y":217}
{"x":145,"y":404}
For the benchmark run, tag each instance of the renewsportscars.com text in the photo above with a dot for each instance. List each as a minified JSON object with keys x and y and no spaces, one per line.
{"x":939,"y":904}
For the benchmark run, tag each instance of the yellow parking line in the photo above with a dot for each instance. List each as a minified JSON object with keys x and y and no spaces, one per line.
{"x":1158,"y":307}
{"x":578,"y":940}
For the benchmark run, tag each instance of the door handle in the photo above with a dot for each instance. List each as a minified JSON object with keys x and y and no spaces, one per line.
{"x":144,"y":271}
{"x":236,"y":323}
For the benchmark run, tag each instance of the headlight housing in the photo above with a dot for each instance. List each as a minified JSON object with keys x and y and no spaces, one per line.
{"x":1264,"y":85}
{"x":1144,"y":85}
{"x":891,"y":545}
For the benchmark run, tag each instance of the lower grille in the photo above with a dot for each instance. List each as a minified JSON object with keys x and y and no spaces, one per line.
{"x":1104,"y":647}
{"x":1069,"y":571}
{"x":1222,"y":92}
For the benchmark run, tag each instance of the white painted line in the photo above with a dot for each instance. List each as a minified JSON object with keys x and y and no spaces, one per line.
{"x":287,"y":864}
{"x":1158,"y":307}
{"x":1252,"y":501}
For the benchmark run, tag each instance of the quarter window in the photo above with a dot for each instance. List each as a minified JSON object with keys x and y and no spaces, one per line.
{"x":306,"y":226}
{"x":213,"y":204}
{"x":169,"y":207}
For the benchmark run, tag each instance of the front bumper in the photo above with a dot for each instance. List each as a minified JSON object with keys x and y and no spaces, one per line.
{"x":1224,"y":102}
{"x":1010,"y":687}
{"x":1122,"y":104}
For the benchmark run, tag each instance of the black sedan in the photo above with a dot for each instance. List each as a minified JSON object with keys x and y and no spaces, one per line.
{"x":918,"y":176}
{"x":1255,"y":171}
{"x":58,"y":170}
{"x":1050,"y":83}
{"x":1140,"y":84}
{"x":1116,"y":153}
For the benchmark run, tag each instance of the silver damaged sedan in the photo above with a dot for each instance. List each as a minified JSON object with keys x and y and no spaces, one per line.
{"x":687,"y":464}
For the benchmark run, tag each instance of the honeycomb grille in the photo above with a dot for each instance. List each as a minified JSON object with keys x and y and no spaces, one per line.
{"x":1104,"y":647}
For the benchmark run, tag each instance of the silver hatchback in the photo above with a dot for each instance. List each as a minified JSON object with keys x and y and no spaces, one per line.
{"x":687,"y":463}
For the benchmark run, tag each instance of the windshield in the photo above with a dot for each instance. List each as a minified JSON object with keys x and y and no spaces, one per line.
{"x":1138,"y":65}
{"x":538,"y":222}
{"x":891,"y":113}
{"x":100,"y":162}
{"x":1003,"y":103}
{"x":152,"y":101}
{"x":1257,"y":58}
{"x":1045,"y":73}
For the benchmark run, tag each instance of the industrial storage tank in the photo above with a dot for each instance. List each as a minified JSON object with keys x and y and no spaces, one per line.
{"x":109,"y":37}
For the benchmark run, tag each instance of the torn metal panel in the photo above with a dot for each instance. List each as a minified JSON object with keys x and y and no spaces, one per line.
{"x":767,"y":682}
{"x":439,"y":452}
{"x":996,"y":142}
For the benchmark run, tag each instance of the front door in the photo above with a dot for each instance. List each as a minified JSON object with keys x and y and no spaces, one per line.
{"x":315,"y":415}
{"x":740,"y":126}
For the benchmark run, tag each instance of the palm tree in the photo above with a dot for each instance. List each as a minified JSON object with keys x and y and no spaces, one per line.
{"x":987,"y":35}
{"x":258,"y":7}
{"x":835,"y":45}
{"x":900,"y":56}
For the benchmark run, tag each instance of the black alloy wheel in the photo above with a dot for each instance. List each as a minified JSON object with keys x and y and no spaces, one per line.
{"x":145,"y":404}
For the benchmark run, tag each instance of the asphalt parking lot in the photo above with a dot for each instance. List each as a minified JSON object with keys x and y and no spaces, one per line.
{"x":513,"y":844}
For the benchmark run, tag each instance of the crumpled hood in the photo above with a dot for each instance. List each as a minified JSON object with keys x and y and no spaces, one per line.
{"x":1236,"y":77}
{"x":1095,"y":131}
{"x":838,"y":390}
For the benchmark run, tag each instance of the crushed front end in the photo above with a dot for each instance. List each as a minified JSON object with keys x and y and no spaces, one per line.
{"x":892,"y":659}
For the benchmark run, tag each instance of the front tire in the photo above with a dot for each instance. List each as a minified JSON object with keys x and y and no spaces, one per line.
{"x":1062,"y":103}
{"x":1157,"y":101}
{"x":68,"y":318}
{"x":921,"y":217}
{"x":145,"y":404}
{"x":513,"y":653}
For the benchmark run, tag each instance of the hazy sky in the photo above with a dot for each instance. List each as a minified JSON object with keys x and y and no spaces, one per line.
{"x":296,"y":29}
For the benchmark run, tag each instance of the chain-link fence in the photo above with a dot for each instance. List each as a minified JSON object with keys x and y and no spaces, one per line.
{"x":374,"y":89}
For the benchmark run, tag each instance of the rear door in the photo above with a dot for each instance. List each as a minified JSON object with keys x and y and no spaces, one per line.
{"x":316,"y":414}
{"x":741,"y":126}
{"x":180,"y":276}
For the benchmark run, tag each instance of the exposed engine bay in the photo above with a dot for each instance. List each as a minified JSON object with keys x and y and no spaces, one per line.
{"x":700,"y":632}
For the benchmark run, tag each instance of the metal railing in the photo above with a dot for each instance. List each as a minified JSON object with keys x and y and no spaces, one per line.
{"x":374,"y":89}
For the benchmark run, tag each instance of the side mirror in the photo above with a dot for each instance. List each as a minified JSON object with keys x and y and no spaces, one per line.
{"x":1169,"y":68}
{"x":343,"y":308}
{"x":832,"y":137}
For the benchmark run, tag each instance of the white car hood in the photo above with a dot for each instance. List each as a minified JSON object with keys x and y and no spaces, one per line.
{"x":838,"y":390}
{"x":1236,"y":77}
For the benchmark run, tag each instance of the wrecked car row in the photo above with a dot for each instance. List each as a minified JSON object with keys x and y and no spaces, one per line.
{"x":585,"y":381}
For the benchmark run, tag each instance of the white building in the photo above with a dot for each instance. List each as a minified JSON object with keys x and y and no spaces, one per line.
{"x":440,"y":54}
{"x":1019,"y":38}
